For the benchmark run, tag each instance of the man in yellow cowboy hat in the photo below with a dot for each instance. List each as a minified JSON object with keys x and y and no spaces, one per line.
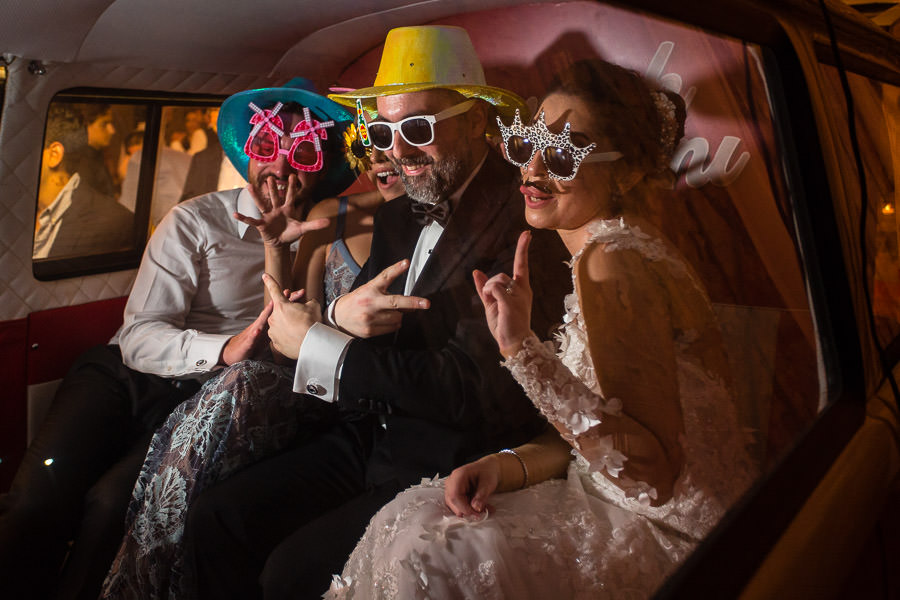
{"x":410,"y":363}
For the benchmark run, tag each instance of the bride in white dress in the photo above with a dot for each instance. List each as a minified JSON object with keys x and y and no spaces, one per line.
{"x":644,"y":455}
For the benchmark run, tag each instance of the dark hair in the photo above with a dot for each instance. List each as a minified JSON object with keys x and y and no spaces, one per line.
{"x":65,"y":125}
{"x":627,"y":111}
{"x":93,"y":111}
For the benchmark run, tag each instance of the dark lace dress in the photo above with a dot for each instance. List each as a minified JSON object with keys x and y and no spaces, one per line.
{"x":245,"y":413}
{"x":340,"y":268}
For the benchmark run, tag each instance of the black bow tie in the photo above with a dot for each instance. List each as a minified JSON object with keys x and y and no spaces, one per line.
{"x":426,"y":213}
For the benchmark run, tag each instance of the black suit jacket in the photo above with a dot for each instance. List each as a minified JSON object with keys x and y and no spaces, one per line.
{"x":436,"y":383}
{"x":94,"y":224}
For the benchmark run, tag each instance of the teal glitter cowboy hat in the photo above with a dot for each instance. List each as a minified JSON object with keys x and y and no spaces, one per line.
{"x":251,"y":111}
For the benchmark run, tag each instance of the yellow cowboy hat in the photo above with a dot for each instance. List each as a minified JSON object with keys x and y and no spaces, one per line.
{"x":429,"y":57}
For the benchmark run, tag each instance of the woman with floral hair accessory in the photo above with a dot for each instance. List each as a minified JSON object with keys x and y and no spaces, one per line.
{"x":637,"y":388}
{"x":249,"y":411}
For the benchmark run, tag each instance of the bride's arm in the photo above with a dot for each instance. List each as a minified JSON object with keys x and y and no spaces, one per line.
{"x":468,"y":488}
{"x":630,"y":333}
{"x":634,"y":426}
{"x":545,"y":457}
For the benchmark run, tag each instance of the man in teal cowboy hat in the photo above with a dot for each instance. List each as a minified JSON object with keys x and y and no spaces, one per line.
{"x":195,"y":306}
{"x":409,"y":361}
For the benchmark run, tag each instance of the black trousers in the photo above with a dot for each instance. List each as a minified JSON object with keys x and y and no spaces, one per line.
{"x":285,"y":524}
{"x":301,"y":566}
{"x":63,"y":519}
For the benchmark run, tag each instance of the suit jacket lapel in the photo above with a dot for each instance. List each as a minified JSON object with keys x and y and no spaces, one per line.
{"x":400,"y":241}
{"x":478,"y":209}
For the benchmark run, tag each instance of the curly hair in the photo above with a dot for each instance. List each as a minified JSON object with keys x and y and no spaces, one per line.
{"x":643,"y":123}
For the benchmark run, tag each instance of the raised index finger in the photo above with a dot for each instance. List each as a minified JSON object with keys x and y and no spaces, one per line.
{"x":274,"y":289}
{"x":520,"y":262}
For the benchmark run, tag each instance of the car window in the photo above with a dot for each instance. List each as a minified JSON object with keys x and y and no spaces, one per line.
{"x":112,"y":165}
{"x":878,"y":131}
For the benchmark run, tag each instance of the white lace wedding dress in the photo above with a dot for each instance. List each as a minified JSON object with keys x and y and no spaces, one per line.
{"x":583,"y":536}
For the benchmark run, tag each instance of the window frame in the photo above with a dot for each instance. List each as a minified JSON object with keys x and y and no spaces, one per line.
{"x":64,"y":268}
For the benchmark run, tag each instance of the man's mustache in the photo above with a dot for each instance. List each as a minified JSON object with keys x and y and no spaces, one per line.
{"x":414,"y":161}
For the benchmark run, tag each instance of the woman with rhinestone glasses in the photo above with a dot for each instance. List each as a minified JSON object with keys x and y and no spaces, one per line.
{"x":637,"y":389}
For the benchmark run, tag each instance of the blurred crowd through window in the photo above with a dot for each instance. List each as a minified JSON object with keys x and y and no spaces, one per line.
{"x":89,"y":198}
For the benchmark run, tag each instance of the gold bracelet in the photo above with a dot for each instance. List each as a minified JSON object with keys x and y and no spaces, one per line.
{"x":521,"y":462}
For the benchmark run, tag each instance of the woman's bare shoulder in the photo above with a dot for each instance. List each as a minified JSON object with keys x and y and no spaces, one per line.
{"x":327,"y":208}
{"x":600,"y":261}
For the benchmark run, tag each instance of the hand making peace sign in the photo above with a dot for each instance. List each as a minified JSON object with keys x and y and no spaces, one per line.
{"x":371,"y":310}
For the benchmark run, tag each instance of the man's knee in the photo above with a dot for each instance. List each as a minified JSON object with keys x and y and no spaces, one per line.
{"x":101,"y":361}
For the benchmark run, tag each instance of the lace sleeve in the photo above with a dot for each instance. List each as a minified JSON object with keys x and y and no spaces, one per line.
{"x":566,"y":401}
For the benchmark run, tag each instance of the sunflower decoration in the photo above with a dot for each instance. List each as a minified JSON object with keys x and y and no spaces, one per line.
{"x":356,"y":153}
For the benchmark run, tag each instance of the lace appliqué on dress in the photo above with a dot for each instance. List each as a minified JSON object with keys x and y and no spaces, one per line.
{"x":564,"y":387}
{"x":618,"y":235}
{"x":340,"y":272}
{"x":564,"y":399}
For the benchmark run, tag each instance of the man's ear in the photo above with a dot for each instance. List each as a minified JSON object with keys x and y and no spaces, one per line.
{"x":478,"y":119}
{"x":55,"y":154}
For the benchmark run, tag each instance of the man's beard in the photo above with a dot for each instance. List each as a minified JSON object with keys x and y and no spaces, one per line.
{"x":257,"y":184}
{"x":441,"y":180}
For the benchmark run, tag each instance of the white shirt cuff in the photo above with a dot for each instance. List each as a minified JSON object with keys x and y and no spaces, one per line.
{"x":204,"y":351}
{"x":329,"y":312}
{"x":320,"y":360}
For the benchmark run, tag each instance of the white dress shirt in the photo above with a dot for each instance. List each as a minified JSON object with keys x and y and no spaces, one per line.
{"x":50,"y":219}
{"x":322,"y":352}
{"x":199,"y":284}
